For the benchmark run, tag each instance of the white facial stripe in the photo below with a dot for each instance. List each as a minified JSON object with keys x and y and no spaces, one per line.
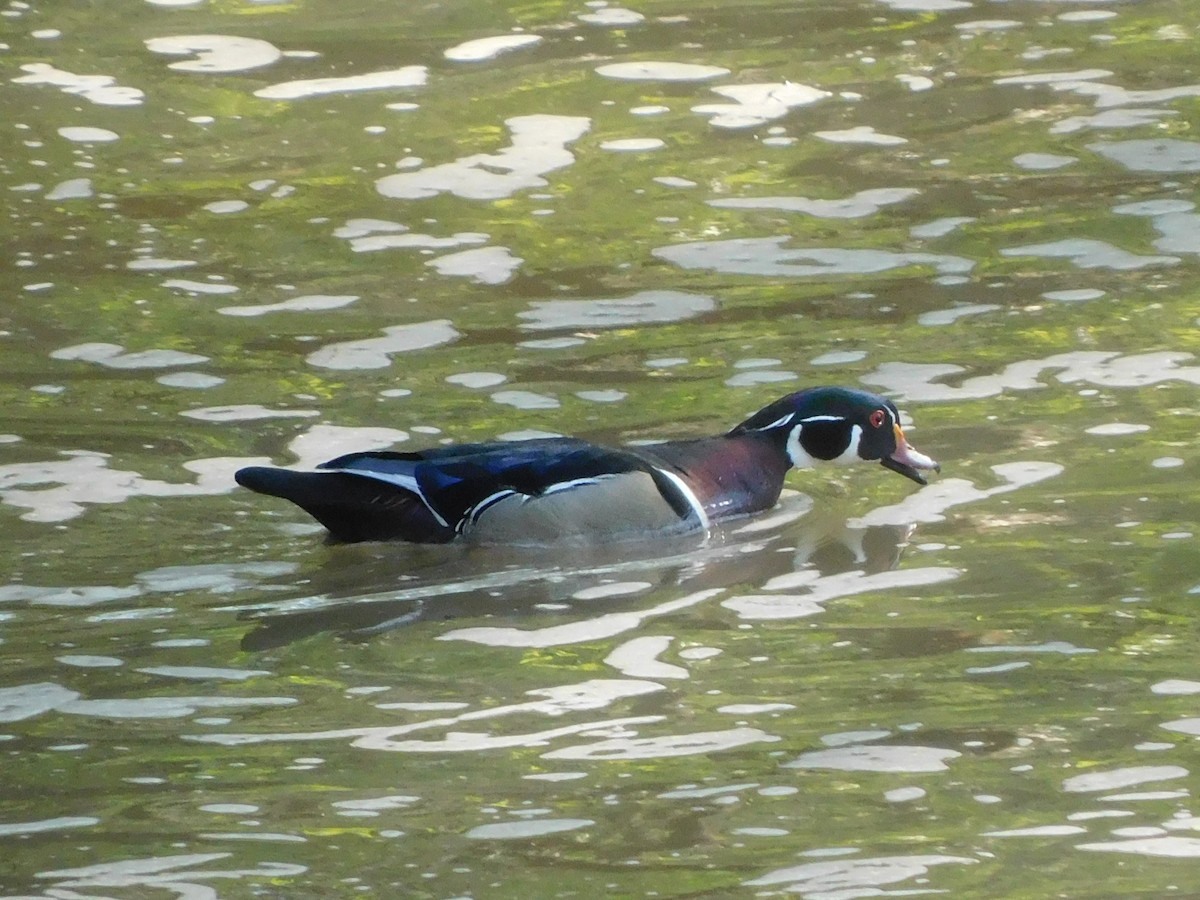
{"x":823,"y":419}
{"x":778,"y":423}
{"x":692,"y":500}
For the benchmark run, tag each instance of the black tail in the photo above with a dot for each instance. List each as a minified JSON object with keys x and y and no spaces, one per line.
{"x":353,"y":508}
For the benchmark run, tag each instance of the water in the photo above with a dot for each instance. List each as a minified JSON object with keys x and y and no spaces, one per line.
{"x":245,"y":233}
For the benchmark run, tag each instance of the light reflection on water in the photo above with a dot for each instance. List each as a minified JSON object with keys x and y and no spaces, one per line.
{"x":306,"y":88}
{"x":624,"y":223}
{"x":769,"y":256}
{"x":181,"y":874}
{"x":857,"y":877}
{"x":539,"y":146}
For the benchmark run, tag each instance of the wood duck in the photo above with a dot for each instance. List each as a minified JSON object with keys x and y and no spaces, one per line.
{"x":555,"y":489}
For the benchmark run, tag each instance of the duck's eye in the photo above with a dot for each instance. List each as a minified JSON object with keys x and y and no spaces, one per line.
{"x":877,"y":418}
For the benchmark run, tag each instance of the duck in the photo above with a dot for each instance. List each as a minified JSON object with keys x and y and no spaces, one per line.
{"x":556,"y":489}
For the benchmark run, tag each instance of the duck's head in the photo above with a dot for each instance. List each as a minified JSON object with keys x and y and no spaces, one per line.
{"x":840,"y":425}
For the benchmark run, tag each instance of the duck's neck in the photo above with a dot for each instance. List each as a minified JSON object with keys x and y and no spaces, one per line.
{"x":731,"y":475}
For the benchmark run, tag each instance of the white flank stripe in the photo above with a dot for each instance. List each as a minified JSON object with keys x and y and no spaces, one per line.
{"x":471,"y":516}
{"x":573,"y":483}
{"x":692,"y":499}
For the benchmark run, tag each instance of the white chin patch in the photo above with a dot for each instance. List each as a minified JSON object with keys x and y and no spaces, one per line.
{"x":850,"y":454}
{"x":796,"y":452}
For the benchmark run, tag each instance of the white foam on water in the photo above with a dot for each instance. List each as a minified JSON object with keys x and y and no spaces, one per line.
{"x":665,"y":746}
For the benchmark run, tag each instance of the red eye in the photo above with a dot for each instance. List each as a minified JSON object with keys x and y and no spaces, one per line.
{"x":877,"y":419}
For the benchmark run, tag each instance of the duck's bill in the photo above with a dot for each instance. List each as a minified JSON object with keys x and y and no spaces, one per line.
{"x":909,"y":462}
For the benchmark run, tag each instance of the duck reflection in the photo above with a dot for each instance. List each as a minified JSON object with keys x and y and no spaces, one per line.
{"x":444,"y":583}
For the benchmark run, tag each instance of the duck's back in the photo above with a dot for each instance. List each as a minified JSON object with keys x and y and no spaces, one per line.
{"x":533,"y":492}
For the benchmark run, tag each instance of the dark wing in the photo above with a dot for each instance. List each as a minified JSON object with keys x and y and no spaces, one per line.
{"x":457,"y":484}
{"x":352,"y":508}
{"x":433,"y":495}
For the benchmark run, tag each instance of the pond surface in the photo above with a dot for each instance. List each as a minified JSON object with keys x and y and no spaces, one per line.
{"x":251,"y":232}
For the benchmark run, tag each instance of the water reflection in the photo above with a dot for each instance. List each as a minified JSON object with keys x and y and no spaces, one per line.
{"x":858,"y":877}
{"x":815,"y":558}
{"x":528,"y":829}
{"x":487,"y":48}
{"x":216,"y":53}
{"x":404,"y":77}
{"x":115,"y":357}
{"x":102,"y":90}
{"x":771,"y":256}
{"x":376,"y":353}
{"x":554,"y":701}
{"x":1091,"y":254}
{"x":643,"y":308}
{"x":28,"y":701}
{"x":611,"y":16}
{"x":756,"y":104}
{"x":368,"y":235}
{"x":184,"y":875}
{"x":664,"y":747}
{"x":876,"y":758}
{"x":861,"y":134}
{"x":539,"y":146}
{"x":863,"y":203}
{"x":653,"y":70}
{"x":922,"y":382}
{"x":306,"y":303}
{"x":61,"y":823}
{"x":81,"y":477}
{"x":212,"y":578}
